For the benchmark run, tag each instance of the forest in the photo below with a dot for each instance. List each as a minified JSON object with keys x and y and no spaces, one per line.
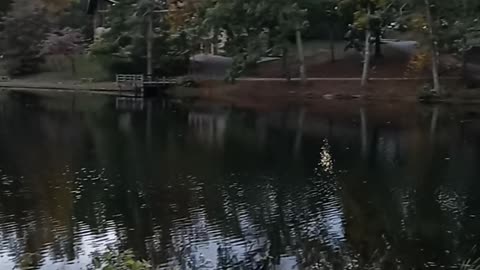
{"x":159,"y":37}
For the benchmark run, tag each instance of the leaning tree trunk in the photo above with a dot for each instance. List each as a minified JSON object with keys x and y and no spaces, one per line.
{"x":301,"y":56}
{"x":433,"y":44}
{"x":366,"y":54}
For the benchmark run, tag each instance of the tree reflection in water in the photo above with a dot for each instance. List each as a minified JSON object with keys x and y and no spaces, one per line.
{"x":193,"y":187}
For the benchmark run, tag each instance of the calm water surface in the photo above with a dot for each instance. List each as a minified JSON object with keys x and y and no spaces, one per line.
{"x":209,"y":187}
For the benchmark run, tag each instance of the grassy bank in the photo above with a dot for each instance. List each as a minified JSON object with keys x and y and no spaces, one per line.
{"x":57,"y":68}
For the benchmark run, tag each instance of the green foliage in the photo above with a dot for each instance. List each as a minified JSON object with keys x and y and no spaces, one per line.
{"x":357,"y":11}
{"x":74,"y":17}
{"x":365,"y":17}
{"x":454,"y":22}
{"x":322,"y":17}
{"x":123,"y":47}
{"x":114,"y":260}
{"x":28,"y":261}
{"x":4,"y":6}
{"x":23,"y":29}
{"x":254,"y":28}
{"x":26,"y":32}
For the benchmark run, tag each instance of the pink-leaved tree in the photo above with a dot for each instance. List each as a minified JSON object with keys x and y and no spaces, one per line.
{"x":67,"y":42}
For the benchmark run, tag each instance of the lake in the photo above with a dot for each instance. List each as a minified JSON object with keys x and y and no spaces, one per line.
{"x":201,"y":185}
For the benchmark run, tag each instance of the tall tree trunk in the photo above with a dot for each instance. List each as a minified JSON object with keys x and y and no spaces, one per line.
{"x":301,"y":56}
{"x":150,"y":45}
{"x":332,"y":43}
{"x":378,"y":45}
{"x":433,"y":44}
{"x":215,"y":41}
{"x":285,"y":67}
{"x":366,"y":59}
{"x":95,"y":25}
{"x":465,"y":8}
{"x":72,"y":64}
{"x":464,"y":38}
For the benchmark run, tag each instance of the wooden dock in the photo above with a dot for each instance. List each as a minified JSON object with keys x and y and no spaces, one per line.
{"x":145,"y":87}
{"x":157,"y":88}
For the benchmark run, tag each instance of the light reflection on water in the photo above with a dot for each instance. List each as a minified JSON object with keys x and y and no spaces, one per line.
{"x":211,"y":186}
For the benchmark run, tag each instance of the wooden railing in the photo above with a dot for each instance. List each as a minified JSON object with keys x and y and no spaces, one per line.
{"x":134,"y":81}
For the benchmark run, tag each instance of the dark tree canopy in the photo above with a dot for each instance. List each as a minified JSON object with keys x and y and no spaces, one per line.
{"x":5,"y":5}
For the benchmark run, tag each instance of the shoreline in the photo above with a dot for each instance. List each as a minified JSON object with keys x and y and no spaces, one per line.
{"x":103,"y":88}
{"x":274,"y":89}
{"x":403,"y":90}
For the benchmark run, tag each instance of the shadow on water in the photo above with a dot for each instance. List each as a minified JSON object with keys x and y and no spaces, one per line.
{"x":210,"y":185}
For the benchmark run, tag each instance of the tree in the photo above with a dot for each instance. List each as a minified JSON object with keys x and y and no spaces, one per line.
{"x":73,"y":16}
{"x":139,"y":38}
{"x":332,"y":17}
{"x":366,"y":60}
{"x":4,"y":6}
{"x":433,"y":47}
{"x":301,"y":55}
{"x":323,"y":21}
{"x":57,"y":6}
{"x":67,"y":42}
{"x":24,"y":28}
{"x":367,"y":18}
{"x":256,"y":28}
{"x":440,"y":26}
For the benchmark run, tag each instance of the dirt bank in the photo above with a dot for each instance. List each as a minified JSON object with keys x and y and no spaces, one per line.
{"x":278,"y":91}
{"x":398,"y":60}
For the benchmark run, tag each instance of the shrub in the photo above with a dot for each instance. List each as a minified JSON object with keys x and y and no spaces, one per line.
{"x":114,"y":260}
